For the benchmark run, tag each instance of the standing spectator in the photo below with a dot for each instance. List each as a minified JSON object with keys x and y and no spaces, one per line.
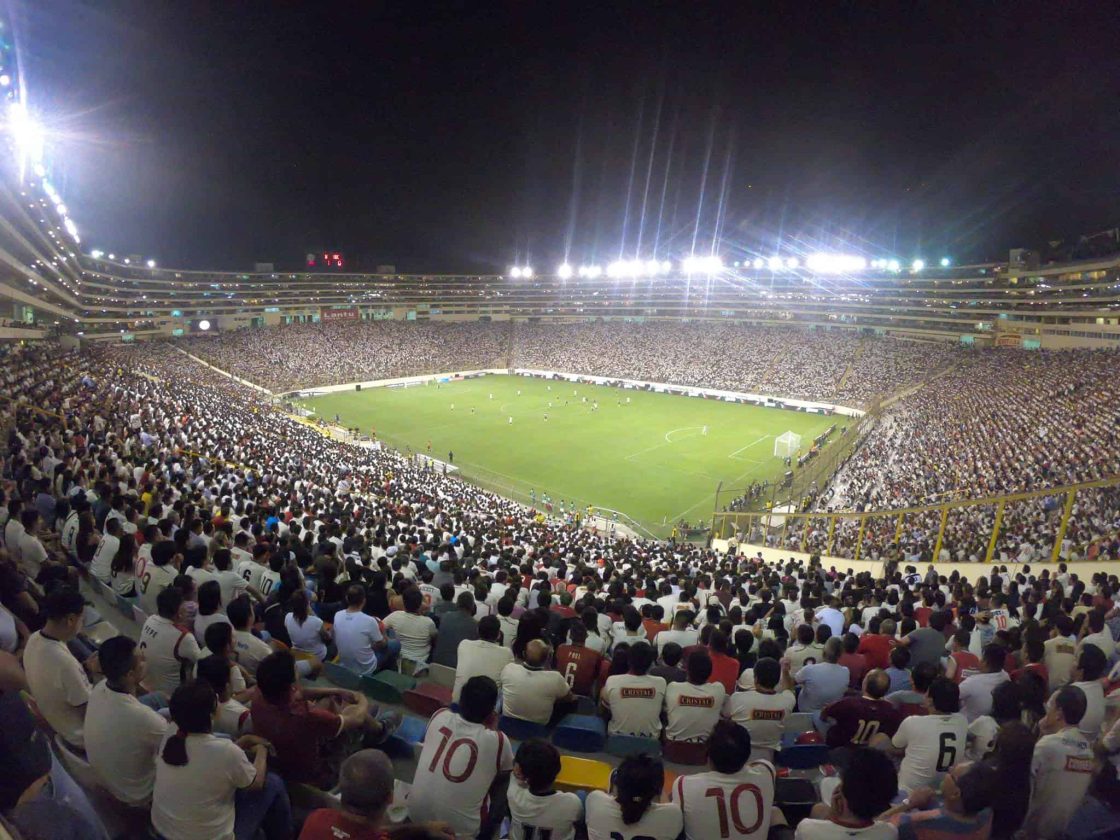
{"x":531,"y":691}
{"x":481,"y":657}
{"x":693,"y":707}
{"x":464,"y":767}
{"x":1061,"y":767}
{"x":534,"y":803}
{"x":733,"y":786}
{"x":455,"y":627}
{"x":634,"y":700}
{"x":416,"y":632}
{"x":57,"y":680}
{"x":763,"y":710}
{"x":633,"y":812}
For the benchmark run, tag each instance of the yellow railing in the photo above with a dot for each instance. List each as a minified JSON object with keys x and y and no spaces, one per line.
{"x":980,"y":526}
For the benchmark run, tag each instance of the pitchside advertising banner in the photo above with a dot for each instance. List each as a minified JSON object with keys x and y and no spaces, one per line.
{"x":348,"y":314}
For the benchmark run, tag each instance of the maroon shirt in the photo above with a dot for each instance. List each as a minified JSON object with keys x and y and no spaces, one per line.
{"x":859,"y":719}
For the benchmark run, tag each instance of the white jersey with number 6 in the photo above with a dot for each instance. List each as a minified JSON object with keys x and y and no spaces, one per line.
{"x":458,"y":764}
{"x":725,"y":806}
{"x":933,"y":744}
{"x":551,"y":817}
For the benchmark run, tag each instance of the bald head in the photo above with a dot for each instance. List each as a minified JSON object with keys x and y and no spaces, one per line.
{"x":536,"y":653}
{"x":876,"y":684}
{"x":366,"y":783}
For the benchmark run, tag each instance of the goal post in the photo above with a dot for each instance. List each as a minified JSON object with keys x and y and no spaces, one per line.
{"x":787,"y":445}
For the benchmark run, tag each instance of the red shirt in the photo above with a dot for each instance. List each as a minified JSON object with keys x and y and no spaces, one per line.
{"x":922,"y":614}
{"x":725,"y":669}
{"x":876,"y":649}
{"x":579,"y":666}
{"x":858,"y":719}
{"x":1034,"y":668}
{"x":329,"y":824}
{"x":856,"y":663}
{"x":653,"y":627}
{"x":965,"y":662}
{"x":296,"y":730}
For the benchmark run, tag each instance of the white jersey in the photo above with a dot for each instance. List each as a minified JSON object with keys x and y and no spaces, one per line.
{"x":635,"y":704}
{"x":1061,"y":769}
{"x":829,"y":829}
{"x":70,"y":534}
{"x":551,"y":817}
{"x":933,"y":744}
{"x":153,"y":581}
{"x":268,"y":581}
{"x":456,"y":767}
{"x":722,"y":805}
{"x":604,"y":820}
{"x":170,"y":652}
{"x":693,"y":710}
{"x":762,"y":715}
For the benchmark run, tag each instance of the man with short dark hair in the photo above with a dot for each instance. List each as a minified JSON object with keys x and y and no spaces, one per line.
{"x":976,"y":691}
{"x":763,"y":710}
{"x":170,"y":649}
{"x":415,"y":631}
{"x":454,"y":628}
{"x":485,"y":656}
{"x":930,"y":744}
{"x":693,"y":707}
{"x":536,"y":808}
{"x":867,"y":786}
{"x":577,"y":663}
{"x":1061,"y":767}
{"x":634,"y":700}
{"x":361,"y":646}
{"x":967,"y":792}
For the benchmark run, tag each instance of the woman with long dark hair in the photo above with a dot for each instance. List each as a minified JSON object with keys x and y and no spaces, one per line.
{"x":305,"y":629}
{"x":631,"y":809}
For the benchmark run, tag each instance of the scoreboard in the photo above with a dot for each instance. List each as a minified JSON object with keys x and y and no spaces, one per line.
{"x":325,"y":259}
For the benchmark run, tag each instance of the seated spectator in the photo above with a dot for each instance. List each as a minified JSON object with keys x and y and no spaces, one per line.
{"x":856,"y":663}
{"x":1061,"y":767}
{"x":57,"y":680}
{"x":506,"y":620}
{"x":361,"y":646}
{"x":854,"y":721}
{"x":899,"y":670}
{"x":123,"y":735}
{"x":251,"y":649}
{"x":668,"y":667}
{"x":209,"y":609}
{"x":805,"y":651}
{"x":967,"y":793}
{"x":1011,"y":758}
{"x":159,"y":574}
{"x":976,"y":691}
{"x":634,"y":700}
{"x":693,"y":708}
{"x":682,"y":633}
{"x":983,"y":732}
{"x":206,"y":786}
{"x":533,"y":692}
{"x":823,"y":682}
{"x":927,"y":644}
{"x":485,"y":656}
{"x":631,"y":811}
{"x":867,"y":785}
{"x":306,"y":630}
{"x":232,"y":584}
{"x":763,"y":710}
{"x":578,"y":663}
{"x":416,"y":632}
{"x":233,"y":716}
{"x":1060,"y":652}
{"x":312,"y":729}
{"x":931,"y":744}
{"x":725,"y":667}
{"x":1091,"y":667}
{"x":703,"y":797}
{"x":876,"y":643}
{"x":455,"y":627}
{"x":463,"y":765}
{"x":219,"y":642}
{"x":534,"y":803}
{"x":961,"y":662}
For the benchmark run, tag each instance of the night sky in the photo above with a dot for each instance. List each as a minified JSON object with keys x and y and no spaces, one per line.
{"x":467,"y":137}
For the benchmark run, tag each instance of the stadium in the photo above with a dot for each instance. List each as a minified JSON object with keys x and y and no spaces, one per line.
{"x":665,"y":473}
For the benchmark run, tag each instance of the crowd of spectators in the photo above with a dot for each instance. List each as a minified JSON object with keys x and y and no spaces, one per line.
{"x":973,"y":708}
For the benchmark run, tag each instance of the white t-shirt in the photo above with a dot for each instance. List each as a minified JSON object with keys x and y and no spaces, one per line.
{"x":693,"y":710}
{"x":1091,"y":723}
{"x":762,"y":715}
{"x":122,"y":736}
{"x":249,"y":570}
{"x":1059,"y":657}
{"x":267,"y":581}
{"x":232,"y":719}
{"x":201,"y":622}
{"x":1061,"y":769}
{"x":153,"y":581}
{"x":530,"y":815}
{"x":197,"y":799}
{"x":31,"y":550}
{"x":13,"y":534}
{"x":415,"y":633}
{"x":635,"y":703}
{"x":530,"y":695}
{"x":9,"y":634}
{"x":734,"y":806}
{"x":477,"y":657}
{"x":604,"y":820}
{"x":306,"y":636}
{"x":103,"y":556}
{"x":250,"y":650}
{"x":59,"y":685}
{"x":457,"y":765}
{"x":810,"y":829}
{"x":976,"y":693}
{"x":982,"y":734}
{"x":170,"y":652}
{"x":355,"y":633}
{"x":933,"y":744}
{"x":70,"y":534}
{"x":232,"y":585}
{"x":684,"y":638}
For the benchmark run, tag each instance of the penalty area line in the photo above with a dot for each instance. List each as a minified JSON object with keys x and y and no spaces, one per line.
{"x":735,"y":454}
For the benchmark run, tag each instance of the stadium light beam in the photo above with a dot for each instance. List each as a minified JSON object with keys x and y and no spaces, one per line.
{"x":151,"y":263}
{"x":96,"y":254}
{"x":946,"y":262}
{"x":564,"y":271}
{"x":701,"y":265}
{"x":515,"y":272}
{"x":917,"y":265}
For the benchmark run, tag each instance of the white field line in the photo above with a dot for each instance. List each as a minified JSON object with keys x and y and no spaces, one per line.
{"x":668,"y":440}
{"x":734,"y":481}
{"x":735,"y":454}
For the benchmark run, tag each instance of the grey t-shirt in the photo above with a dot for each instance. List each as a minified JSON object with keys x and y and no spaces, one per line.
{"x":926,"y":646}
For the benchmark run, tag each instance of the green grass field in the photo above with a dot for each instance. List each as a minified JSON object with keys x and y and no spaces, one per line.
{"x":649,"y":459}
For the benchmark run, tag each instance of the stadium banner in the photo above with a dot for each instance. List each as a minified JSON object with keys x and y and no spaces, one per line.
{"x":1009,"y":340}
{"x":351,"y":313}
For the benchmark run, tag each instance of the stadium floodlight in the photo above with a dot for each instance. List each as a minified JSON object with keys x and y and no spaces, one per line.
{"x":666,"y":266}
{"x":758,"y":263}
{"x":894,"y":265}
{"x":946,"y":262}
{"x":5,"y":80}
{"x":701,"y":265}
{"x":835,"y":263}
{"x":71,"y":229}
{"x":127,"y":261}
{"x":151,"y":263}
{"x":96,"y":254}
{"x":775,"y":263}
{"x":527,"y":272}
{"x":594,"y":271}
{"x":564,"y":271}
{"x":917,"y":265}
{"x":204,"y":325}
{"x":112,"y":256}
{"x":515,"y":272}
{"x":792,"y":262}
{"x":27,"y":134}
{"x":653,"y":267}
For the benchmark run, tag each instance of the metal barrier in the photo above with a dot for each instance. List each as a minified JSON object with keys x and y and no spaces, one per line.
{"x":1057,"y":522}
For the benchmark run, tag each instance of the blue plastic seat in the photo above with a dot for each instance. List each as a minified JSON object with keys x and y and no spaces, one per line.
{"x":580,"y":733}
{"x":521,"y":730}
{"x":627,"y":745}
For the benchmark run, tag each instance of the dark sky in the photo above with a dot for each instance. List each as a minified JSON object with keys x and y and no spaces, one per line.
{"x":465,"y":137}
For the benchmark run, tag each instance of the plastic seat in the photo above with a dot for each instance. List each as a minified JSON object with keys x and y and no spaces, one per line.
{"x":586,"y":706}
{"x":76,"y":765}
{"x":796,"y":796}
{"x":125,"y":606}
{"x":627,"y":745}
{"x":798,"y":722}
{"x":101,"y":632}
{"x":583,"y":774}
{"x":427,"y":698}
{"x":412,"y":730}
{"x":138,"y":615}
{"x":580,"y":733}
{"x":441,"y":675}
{"x":387,"y":686}
{"x":687,"y":752}
{"x":521,"y":730}
{"x":342,"y":677}
{"x":803,"y":757}
{"x":33,"y":707}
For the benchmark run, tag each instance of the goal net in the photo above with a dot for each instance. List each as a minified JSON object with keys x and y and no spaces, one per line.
{"x":787,"y":445}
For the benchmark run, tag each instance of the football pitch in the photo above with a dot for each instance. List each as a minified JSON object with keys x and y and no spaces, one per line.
{"x":655,"y":457}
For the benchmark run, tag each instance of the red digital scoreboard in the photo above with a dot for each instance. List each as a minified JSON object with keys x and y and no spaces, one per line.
{"x":325,"y":259}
